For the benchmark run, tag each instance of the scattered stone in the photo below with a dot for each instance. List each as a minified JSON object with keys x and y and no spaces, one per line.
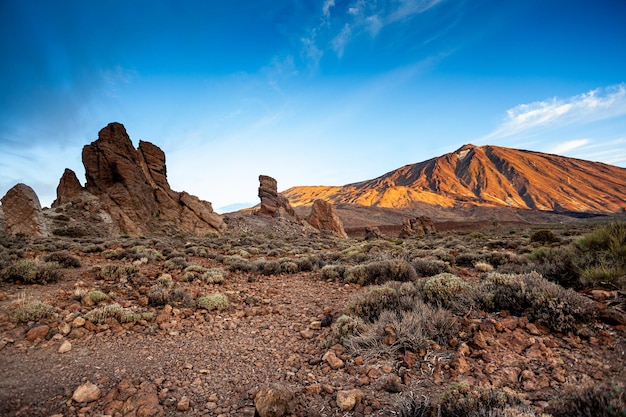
{"x":144,"y":402}
{"x":65,"y":347}
{"x":347,"y":400}
{"x":183,"y":404}
{"x":86,"y":393}
{"x":37,"y":333}
{"x":327,"y":321}
{"x":331,"y":358}
{"x":274,"y":400}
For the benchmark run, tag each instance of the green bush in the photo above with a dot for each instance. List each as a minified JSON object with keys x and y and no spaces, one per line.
{"x":535,"y":297}
{"x":214,"y":276}
{"x":602,"y":256}
{"x":393,"y":296}
{"x":32,"y":311}
{"x":29,"y":272}
{"x":213,"y":302}
{"x":117,"y":272}
{"x":449,"y":291}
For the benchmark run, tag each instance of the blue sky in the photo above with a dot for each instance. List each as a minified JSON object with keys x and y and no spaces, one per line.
{"x":321,"y":92}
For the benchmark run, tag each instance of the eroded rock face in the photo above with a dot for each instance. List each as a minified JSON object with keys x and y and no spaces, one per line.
{"x":132,"y":187}
{"x":324,"y":217}
{"x":418,"y":226}
{"x":22,"y":212}
{"x":272,"y":203}
{"x":69,"y":187}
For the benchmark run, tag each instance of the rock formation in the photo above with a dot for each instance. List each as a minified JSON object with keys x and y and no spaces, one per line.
{"x":22,"y":212}
{"x":372,"y":232}
{"x":272,"y":203}
{"x":418,"y":226}
{"x":324,"y":217}
{"x":127,"y":189}
{"x":68,"y":188}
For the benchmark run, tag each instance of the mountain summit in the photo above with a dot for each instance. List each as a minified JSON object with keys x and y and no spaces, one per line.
{"x":488,"y":176}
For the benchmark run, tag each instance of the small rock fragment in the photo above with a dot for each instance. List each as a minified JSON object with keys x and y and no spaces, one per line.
{"x":333,"y":360}
{"x":66,"y":346}
{"x":347,"y":400}
{"x":86,"y":393}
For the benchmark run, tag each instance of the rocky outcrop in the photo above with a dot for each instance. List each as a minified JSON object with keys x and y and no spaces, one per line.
{"x":272,"y":203}
{"x":419,"y":226}
{"x":22,"y":212}
{"x":324,"y":218}
{"x":68,"y":188}
{"x":132,"y":187}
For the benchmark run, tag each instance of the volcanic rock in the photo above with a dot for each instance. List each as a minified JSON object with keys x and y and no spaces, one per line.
{"x":372,"y":233}
{"x":272,"y":203}
{"x":274,"y":400}
{"x":86,"y":393}
{"x":418,"y":226}
{"x":68,"y":188}
{"x":324,"y":217}
{"x":132,"y":187}
{"x":22,"y":212}
{"x":347,"y":400}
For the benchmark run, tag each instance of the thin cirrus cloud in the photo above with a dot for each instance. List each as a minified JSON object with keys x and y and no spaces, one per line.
{"x":598,"y":104}
{"x":340,"y":25}
{"x":568,"y":146}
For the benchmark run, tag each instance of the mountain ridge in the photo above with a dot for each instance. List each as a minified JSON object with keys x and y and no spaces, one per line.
{"x":487,"y":176}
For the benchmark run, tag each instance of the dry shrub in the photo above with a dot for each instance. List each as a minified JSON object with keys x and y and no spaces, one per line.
{"x":535,"y":297}
{"x":425,"y":267}
{"x":29,"y":272}
{"x":544,"y":236}
{"x":33,"y":311}
{"x":393,"y":296}
{"x":398,"y":331}
{"x":604,"y":400}
{"x":332,"y":272}
{"x":117,"y":272}
{"x":449,"y":291}
{"x":64,"y":259}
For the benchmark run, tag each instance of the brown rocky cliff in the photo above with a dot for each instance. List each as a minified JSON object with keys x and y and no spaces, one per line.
{"x":132,"y":186}
{"x":324,"y":217}
{"x":272,"y":203}
{"x":68,"y":188}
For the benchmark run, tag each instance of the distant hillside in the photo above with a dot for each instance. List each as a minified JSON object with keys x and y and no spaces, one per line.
{"x":484,"y":176}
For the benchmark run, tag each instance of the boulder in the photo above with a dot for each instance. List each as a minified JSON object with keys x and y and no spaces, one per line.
{"x":132,"y":187}
{"x":22,"y":212}
{"x":68,"y":188}
{"x":324,"y":218}
{"x":372,"y":232}
{"x":418,"y":226}
{"x":274,"y":400}
{"x":272,"y":203}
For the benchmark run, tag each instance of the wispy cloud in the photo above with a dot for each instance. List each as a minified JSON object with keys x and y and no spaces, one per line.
{"x":598,"y":104}
{"x":564,"y":147}
{"x":341,"y":23}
